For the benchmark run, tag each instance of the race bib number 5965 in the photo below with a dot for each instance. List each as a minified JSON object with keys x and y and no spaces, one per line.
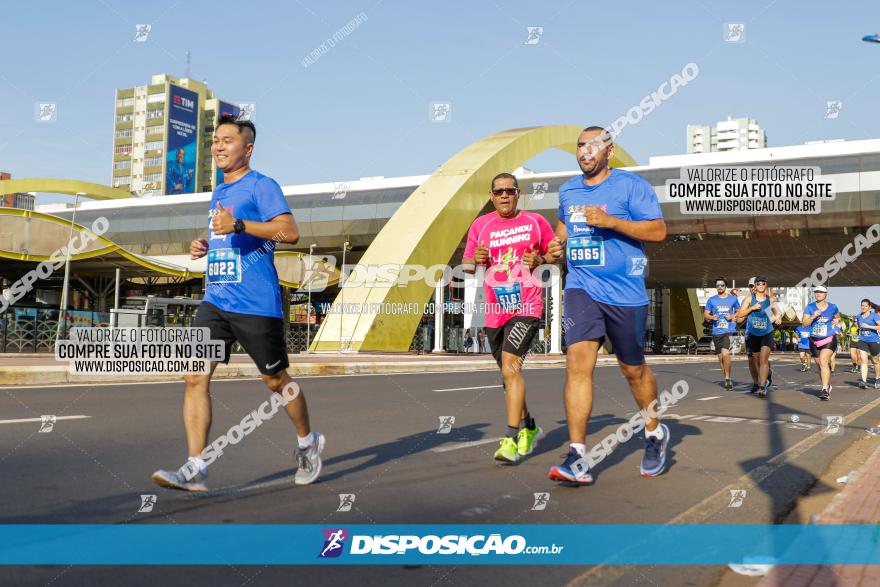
{"x":586,"y":251}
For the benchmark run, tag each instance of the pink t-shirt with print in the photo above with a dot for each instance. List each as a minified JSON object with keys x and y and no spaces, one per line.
{"x":509,"y":289}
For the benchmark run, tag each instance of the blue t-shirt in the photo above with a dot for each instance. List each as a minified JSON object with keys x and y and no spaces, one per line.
{"x":865,"y":334}
{"x":721,"y":306}
{"x":821,"y":326}
{"x":803,"y":333}
{"x":759,"y":322}
{"x":608,"y":265}
{"x":241,"y":268}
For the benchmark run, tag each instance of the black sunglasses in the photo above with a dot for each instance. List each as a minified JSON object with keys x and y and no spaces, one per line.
{"x":508,"y":191}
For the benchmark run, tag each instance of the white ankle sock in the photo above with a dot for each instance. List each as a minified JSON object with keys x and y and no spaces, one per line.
{"x":306,"y":441}
{"x":200,"y":464}
{"x":656,"y":432}
{"x":580,"y":448}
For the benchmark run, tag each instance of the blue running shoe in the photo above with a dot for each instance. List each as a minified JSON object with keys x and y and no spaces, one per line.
{"x":568,"y":473}
{"x":654,"y":460}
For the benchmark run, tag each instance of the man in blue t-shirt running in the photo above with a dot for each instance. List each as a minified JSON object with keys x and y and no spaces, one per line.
{"x":868,"y":323}
{"x":248,"y":216}
{"x":803,"y":347}
{"x":605,"y":216}
{"x":721,"y":310}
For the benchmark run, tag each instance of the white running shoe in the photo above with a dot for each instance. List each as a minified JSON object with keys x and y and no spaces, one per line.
{"x":178,"y":479}
{"x":308,"y":461}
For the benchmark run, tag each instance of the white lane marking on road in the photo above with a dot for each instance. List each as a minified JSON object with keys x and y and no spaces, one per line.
{"x":466,"y":388}
{"x":21,"y":420}
{"x":703,"y":399}
{"x":468,"y":444}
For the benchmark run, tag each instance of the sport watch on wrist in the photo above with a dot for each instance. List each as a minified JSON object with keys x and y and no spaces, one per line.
{"x":238,"y":227}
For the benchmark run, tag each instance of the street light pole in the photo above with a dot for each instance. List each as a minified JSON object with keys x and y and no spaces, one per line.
{"x":62,"y":311}
{"x":309,"y":303}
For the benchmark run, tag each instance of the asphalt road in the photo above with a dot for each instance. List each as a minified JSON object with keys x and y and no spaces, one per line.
{"x":383,"y":446}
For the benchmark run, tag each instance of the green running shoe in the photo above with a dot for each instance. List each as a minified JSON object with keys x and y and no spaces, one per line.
{"x":507,"y":453}
{"x":527,"y":440}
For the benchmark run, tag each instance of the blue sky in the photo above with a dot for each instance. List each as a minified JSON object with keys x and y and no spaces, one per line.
{"x":363,"y":108}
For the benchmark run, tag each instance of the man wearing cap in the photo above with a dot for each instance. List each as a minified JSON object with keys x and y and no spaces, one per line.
{"x":761,"y":316}
{"x":820,"y":317}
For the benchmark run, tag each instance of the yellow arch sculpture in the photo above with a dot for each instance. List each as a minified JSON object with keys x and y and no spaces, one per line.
{"x":71,"y":187}
{"x":46,"y":234}
{"x":426,"y":230}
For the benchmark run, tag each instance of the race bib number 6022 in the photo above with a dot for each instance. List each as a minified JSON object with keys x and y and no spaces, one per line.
{"x":224,"y":266}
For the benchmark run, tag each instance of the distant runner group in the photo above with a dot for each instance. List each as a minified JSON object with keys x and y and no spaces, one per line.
{"x":820,"y":325}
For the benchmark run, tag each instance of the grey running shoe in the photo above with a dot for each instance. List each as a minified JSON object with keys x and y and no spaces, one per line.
{"x":308,"y":461}
{"x":186,"y":478}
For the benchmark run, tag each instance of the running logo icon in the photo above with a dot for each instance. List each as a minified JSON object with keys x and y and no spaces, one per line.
{"x":446,"y":423}
{"x":46,"y":111}
{"x":539,"y":190}
{"x":147,"y":503}
{"x":734,"y":32}
{"x":541,"y":501}
{"x":833,"y":424}
{"x":441,"y":111}
{"x":141,"y":32}
{"x":334,"y":542}
{"x":637,"y":265}
{"x":346,"y":502}
{"x":340,"y":190}
{"x":47,"y":423}
{"x":737,"y":496}
{"x":247,"y":111}
{"x":832,"y":109}
{"x":535,"y":33}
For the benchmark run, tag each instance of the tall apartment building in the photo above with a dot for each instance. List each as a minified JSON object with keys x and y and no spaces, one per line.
{"x":733,"y":134}
{"x":162,"y":137}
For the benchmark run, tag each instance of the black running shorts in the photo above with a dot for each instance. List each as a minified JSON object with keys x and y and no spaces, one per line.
{"x":262,"y":337}
{"x":514,"y":336}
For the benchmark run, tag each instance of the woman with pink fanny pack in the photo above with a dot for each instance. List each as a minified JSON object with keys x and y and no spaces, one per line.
{"x":820,"y":317}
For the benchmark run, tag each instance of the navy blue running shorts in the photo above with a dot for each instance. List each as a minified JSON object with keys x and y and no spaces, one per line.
{"x":587,"y":319}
